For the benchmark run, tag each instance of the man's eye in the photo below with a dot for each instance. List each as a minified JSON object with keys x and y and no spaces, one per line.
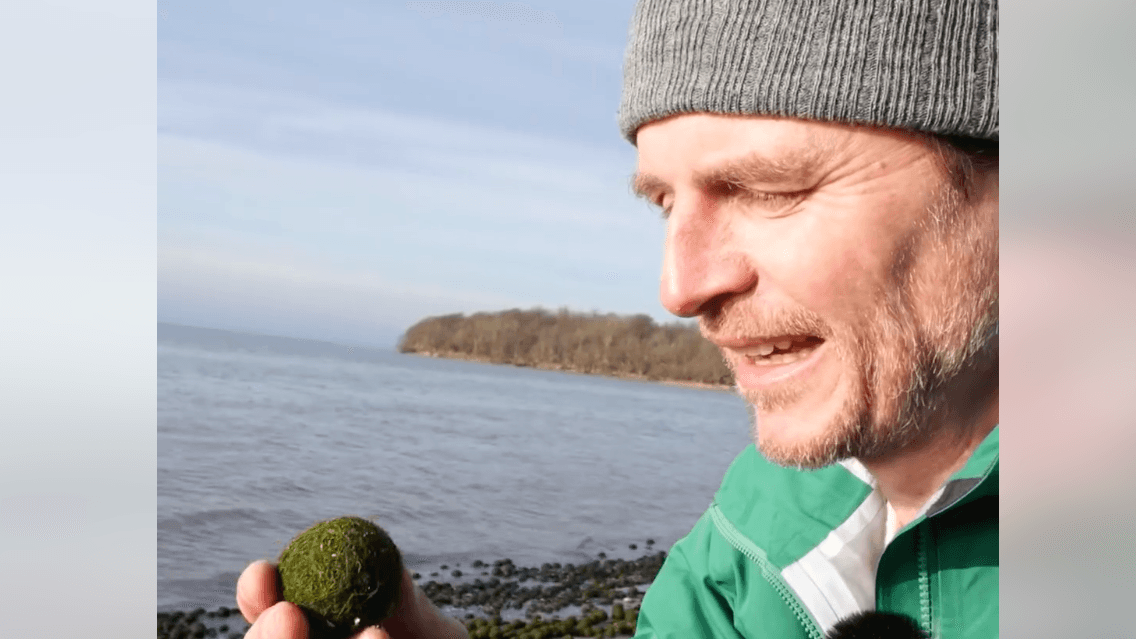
{"x":773,"y":202}
{"x":763,"y":196}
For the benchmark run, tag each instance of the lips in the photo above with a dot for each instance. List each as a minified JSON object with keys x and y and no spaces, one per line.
{"x":761,"y":362}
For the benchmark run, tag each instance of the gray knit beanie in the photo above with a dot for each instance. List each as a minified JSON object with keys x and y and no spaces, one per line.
{"x":925,"y":65}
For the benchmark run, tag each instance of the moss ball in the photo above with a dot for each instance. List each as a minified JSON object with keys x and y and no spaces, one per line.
{"x":345,"y":575}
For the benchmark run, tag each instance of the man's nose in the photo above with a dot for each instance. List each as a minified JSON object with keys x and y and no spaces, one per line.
{"x":702,"y":266}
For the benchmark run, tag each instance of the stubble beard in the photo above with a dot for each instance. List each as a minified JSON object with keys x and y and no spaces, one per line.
{"x":906,"y":374}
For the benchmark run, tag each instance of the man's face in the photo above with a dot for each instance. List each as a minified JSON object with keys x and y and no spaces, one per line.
{"x":849,"y":286}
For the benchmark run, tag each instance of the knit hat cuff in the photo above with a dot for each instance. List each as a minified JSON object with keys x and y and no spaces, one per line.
{"x":928,"y":65}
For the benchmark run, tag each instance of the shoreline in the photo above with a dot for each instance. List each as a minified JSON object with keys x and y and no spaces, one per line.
{"x":598,"y":598}
{"x":562,"y":369}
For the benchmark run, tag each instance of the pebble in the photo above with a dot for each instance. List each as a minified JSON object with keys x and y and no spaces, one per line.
{"x":605,"y":590}
{"x":193,"y":624}
{"x":550,"y":588}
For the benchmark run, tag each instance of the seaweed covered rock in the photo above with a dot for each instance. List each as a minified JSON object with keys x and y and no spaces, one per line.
{"x":344,"y":574}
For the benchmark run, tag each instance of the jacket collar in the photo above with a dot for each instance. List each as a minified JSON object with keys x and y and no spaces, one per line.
{"x":788,"y":511}
{"x":977,"y":479}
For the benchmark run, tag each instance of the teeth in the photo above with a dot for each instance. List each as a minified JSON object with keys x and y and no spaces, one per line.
{"x":783,"y":344}
{"x":761,"y":355}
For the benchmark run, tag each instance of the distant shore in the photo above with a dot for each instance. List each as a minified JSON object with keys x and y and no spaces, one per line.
{"x":562,"y":369}
{"x":624,"y":347}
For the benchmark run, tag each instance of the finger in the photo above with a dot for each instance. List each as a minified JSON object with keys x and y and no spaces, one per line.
{"x":418,"y":617}
{"x":408,"y":616}
{"x":282,"y":621}
{"x":372,"y":633}
{"x":256,"y":590}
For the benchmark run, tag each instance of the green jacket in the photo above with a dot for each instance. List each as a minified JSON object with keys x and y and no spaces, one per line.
{"x":786,"y":553}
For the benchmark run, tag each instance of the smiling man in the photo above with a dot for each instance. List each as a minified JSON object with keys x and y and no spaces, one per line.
{"x":829,"y":178}
{"x":828,"y":171}
{"x":850,"y":283}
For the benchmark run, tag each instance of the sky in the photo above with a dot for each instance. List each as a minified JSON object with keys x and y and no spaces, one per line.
{"x":341,"y":174}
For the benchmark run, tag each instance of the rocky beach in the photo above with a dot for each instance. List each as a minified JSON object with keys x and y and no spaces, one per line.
{"x":599,"y":598}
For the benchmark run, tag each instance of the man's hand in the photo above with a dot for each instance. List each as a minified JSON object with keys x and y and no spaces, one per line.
{"x":258,"y":596}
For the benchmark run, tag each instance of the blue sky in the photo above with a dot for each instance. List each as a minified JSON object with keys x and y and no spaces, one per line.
{"x":341,"y":172}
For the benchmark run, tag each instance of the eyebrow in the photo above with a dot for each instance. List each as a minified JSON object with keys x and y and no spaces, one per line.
{"x":753,"y":168}
{"x":644,"y":185}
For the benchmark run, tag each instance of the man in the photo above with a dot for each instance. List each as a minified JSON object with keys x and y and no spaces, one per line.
{"x":828,"y":173}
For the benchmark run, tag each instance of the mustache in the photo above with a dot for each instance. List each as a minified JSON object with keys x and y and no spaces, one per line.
{"x":739,"y":321}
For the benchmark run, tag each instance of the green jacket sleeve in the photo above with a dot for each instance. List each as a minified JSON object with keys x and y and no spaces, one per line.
{"x":686,"y":600}
{"x":707,"y":588}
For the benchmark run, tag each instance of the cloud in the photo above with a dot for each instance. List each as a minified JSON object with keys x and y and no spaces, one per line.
{"x":516,"y":13}
{"x":291,"y":214}
{"x":384,"y":187}
{"x":526,"y":25}
{"x":281,"y":288}
{"x":212,"y":183}
{"x":451,"y":164}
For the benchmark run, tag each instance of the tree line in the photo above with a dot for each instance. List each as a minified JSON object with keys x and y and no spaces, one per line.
{"x":623,"y":346}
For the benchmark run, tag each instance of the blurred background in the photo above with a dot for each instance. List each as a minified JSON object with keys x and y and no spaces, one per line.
{"x":115,"y":107}
{"x":1068,"y":279}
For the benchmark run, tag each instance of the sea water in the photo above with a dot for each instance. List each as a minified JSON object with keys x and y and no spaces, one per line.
{"x":258,"y":438}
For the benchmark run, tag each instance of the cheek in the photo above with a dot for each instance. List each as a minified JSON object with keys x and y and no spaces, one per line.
{"x":827,"y":265}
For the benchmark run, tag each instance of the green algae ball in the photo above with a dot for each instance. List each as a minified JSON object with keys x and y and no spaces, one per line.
{"x":344,"y":574}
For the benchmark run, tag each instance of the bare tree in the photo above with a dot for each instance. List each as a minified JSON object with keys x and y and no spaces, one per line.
{"x":608,"y":344}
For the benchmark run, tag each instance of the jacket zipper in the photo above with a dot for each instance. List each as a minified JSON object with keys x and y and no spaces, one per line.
{"x":743,"y":545}
{"x":922,"y":532}
{"x":921,"y":545}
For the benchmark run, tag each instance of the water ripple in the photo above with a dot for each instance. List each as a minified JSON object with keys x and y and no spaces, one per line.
{"x":457,"y":460}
